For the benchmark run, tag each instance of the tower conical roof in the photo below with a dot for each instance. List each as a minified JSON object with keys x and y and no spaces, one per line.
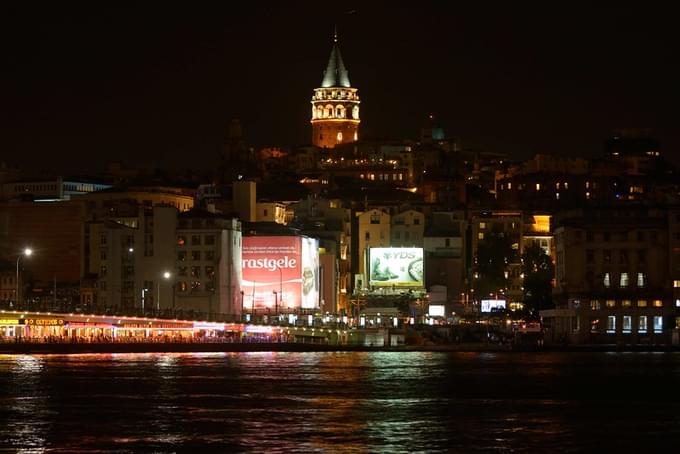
{"x":336,"y":74}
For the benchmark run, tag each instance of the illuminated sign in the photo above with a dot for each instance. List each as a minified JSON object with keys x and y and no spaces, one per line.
{"x":310,"y":273}
{"x":280,"y":271}
{"x":45,"y":321}
{"x":489,"y":305}
{"x":258,"y":329}
{"x":88,"y":325}
{"x":155,"y":325}
{"x":436,"y":310}
{"x":208,"y":325}
{"x":398,"y":267}
{"x":11,"y":321}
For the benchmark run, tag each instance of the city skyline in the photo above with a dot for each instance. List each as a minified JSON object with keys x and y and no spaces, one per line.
{"x":151,"y":87}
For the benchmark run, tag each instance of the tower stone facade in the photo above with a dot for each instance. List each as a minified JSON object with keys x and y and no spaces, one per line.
{"x":335,"y":105}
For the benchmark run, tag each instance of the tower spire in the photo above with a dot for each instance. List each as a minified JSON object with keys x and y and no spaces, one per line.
{"x":336,"y":74}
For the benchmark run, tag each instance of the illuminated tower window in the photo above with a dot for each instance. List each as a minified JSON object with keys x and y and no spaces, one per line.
{"x":339,"y":137}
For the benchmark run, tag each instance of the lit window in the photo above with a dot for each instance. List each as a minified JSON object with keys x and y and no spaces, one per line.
{"x":607,"y":281}
{"x":566,"y":185}
{"x":339,"y":137}
{"x":623,"y":282}
{"x":538,"y":186}
{"x":611,"y":303}
{"x":587,"y":195}
{"x":642,"y":324}
{"x":595,"y":305}
{"x":505,"y":274}
{"x":480,"y":235}
{"x":587,"y":184}
{"x":611,"y":324}
{"x":642,"y":303}
{"x":676,"y":283}
{"x":594,"y":325}
{"x":557,"y":185}
{"x":627,"y":323}
{"x":677,"y":303}
{"x":641,"y":281}
{"x":658,"y":324}
{"x":625,"y":303}
{"x":557,"y":195}
{"x":657,"y":303}
{"x":509,"y":185}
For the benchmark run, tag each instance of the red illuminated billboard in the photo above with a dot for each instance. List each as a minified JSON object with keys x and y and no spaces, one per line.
{"x":287,"y":265}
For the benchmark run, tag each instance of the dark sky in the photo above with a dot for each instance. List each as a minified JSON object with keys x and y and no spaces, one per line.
{"x":156,"y":85}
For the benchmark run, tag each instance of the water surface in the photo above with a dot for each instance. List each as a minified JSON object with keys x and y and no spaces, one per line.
{"x":341,"y":402}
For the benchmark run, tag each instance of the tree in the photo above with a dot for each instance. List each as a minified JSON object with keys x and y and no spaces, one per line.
{"x":539,"y":272}
{"x":493,"y":255}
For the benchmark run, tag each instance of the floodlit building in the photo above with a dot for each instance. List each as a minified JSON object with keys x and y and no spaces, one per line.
{"x":373,"y":230}
{"x":335,"y":105}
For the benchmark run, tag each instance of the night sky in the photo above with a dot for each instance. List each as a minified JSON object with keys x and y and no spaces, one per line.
{"x":156,"y":85}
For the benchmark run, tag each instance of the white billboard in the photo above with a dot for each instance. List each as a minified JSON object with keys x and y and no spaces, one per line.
{"x":396,"y":267}
{"x":310,"y":273}
{"x":436,"y":310}
{"x":489,"y":305}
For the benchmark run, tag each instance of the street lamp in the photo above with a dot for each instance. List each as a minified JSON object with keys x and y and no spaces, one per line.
{"x":276,"y":303}
{"x":26,"y":252}
{"x":280,"y":284}
{"x":166,"y":276}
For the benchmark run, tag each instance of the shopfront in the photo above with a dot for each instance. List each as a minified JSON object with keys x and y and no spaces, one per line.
{"x":10,"y":328}
{"x":44,"y":328}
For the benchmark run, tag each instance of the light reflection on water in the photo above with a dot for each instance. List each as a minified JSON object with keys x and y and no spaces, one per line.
{"x":345,"y":401}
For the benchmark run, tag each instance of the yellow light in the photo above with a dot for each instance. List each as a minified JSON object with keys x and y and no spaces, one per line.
{"x":542,"y":223}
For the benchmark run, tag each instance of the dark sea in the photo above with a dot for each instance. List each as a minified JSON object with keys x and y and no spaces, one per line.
{"x":341,"y":402}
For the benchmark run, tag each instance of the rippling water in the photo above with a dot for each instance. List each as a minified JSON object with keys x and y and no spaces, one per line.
{"x":340,"y":402}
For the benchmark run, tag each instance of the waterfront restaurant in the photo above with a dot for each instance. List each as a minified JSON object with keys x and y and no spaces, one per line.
{"x":51,"y":327}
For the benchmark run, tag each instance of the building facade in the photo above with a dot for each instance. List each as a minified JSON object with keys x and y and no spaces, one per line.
{"x":207,"y":277}
{"x":615,"y":281}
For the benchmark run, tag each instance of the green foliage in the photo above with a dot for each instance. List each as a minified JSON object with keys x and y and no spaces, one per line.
{"x":493,"y":255}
